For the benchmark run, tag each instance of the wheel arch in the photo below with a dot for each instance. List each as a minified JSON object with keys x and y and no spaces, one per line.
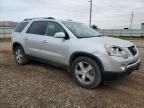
{"x":16,"y":44}
{"x":79,"y":54}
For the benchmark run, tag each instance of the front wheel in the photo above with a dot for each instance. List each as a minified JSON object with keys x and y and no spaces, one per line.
{"x":20,"y":56}
{"x":86,"y":72}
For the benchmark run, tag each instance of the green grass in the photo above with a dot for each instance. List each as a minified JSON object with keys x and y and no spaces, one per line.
{"x":5,"y":39}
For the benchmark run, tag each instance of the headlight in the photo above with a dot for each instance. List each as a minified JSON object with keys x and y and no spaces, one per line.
{"x":113,"y":50}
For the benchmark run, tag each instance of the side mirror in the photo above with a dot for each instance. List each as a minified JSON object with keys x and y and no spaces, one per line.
{"x":59,"y":35}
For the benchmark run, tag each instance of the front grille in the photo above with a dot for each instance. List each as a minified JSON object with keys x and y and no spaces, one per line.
{"x":133,"y":50}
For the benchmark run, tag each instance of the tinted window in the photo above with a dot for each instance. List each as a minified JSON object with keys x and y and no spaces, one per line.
{"x":21,"y":26}
{"x":53,"y":28}
{"x":38,"y":27}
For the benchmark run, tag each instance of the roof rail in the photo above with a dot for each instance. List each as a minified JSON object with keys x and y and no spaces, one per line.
{"x":69,"y":19}
{"x":49,"y":18}
{"x":27,"y":19}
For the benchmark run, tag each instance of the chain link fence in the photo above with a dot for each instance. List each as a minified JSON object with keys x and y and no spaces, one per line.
{"x":5,"y":32}
{"x":120,"y":32}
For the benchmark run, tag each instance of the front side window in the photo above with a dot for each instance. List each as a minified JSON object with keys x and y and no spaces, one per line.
{"x":20,"y":26}
{"x":81,"y":30}
{"x":38,"y":27}
{"x":53,"y":28}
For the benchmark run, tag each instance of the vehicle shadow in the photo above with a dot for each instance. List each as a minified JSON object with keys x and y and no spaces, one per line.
{"x":49,"y":66}
{"x":112,"y":81}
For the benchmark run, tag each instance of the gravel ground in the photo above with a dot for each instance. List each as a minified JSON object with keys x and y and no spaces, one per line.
{"x":38,"y":85}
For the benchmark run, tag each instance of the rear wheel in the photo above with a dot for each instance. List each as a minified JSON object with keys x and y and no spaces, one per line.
{"x":20,"y":56}
{"x":86,"y":72}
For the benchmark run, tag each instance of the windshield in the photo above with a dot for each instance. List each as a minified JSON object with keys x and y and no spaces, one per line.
{"x":81,"y":30}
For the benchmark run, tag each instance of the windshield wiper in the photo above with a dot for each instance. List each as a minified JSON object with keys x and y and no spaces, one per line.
{"x":100,"y":35}
{"x":91,"y":36}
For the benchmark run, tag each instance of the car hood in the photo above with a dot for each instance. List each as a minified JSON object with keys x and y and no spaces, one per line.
{"x":108,"y":40}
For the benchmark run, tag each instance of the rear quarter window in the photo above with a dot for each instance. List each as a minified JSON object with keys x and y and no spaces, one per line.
{"x":20,"y":26}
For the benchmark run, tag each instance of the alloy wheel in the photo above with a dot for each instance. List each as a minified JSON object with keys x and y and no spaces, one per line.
{"x":19,"y":56}
{"x":84,"y":72}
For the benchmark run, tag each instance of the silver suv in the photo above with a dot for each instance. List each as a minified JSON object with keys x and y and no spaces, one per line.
{"x":87,"y":54}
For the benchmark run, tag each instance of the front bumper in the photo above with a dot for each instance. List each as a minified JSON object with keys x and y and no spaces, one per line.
{"x":118,"y":64}
{"x":110,"y":76}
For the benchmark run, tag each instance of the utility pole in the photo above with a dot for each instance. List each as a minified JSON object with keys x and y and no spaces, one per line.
{"x":132,"y":15}
{"x":90,"y":12}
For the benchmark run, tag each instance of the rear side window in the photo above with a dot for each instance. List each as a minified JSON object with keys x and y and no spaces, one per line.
{"x":38,"y":28}
{"x":21,"y":26}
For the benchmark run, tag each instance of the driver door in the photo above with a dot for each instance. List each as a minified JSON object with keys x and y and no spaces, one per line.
{"x":55,"y":49}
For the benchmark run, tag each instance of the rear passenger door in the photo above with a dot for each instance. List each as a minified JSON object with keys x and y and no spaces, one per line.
{"x":34,"y":38}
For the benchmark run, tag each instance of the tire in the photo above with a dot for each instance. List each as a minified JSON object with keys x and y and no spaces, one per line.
{"x":86,"y":72}
{"x":20,"y":56}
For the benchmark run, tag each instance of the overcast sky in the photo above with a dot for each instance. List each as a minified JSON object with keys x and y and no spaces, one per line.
{"x":106,"y":13}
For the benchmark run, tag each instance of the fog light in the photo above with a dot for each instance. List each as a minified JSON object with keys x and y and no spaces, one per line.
{"x":123,"y":67}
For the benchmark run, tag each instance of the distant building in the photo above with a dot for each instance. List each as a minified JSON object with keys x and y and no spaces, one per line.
{"x":142,"y":26}
{"x":7,"y":24}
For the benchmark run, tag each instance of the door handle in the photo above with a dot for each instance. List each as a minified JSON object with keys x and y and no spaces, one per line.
{"x":45,"y":41}
{"x":26,"y":38}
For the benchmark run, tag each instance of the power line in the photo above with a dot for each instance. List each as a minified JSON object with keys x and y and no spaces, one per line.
{"x":132,"y":15}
